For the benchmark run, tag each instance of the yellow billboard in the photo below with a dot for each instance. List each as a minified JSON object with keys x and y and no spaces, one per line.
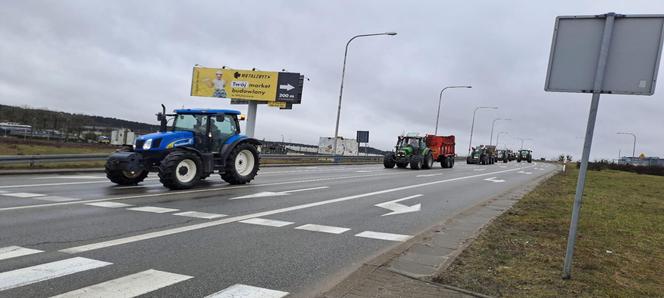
{"x":234,"y":83}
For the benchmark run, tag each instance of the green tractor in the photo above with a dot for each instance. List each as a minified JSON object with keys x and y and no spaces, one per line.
{"x":410,"y":150}
{"x":482,"y":155}
{"x":525,"y":155}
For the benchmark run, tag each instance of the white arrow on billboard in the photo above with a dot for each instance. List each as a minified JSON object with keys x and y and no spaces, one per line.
{"x":287,"y":87}
{"x":266,"y":194}
{"x":397,"y":208}
{"x":493,"y":179}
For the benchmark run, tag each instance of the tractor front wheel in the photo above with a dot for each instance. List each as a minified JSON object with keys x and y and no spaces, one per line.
{"x":388,"y":161}
{"x":415,"y":162}
{"x":180,"y":170}
{"x":241,"y":165}
{"x":122,"y":177}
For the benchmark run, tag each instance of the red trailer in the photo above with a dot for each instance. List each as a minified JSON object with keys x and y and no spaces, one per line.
{"x":442,"y":148}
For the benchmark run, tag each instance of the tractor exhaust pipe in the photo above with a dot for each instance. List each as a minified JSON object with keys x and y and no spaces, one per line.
{"x":162,"y":119}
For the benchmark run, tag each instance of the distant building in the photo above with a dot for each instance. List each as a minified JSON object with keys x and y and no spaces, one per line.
{"x":9,"y":127}
{"x":644,"y":161}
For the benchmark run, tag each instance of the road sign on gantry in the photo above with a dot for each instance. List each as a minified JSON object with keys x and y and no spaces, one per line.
{"x":631,"y":66}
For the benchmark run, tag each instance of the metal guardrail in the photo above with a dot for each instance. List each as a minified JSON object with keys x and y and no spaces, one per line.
{"x":268,"y":158}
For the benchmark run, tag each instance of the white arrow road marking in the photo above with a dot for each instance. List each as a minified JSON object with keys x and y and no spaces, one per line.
{"x":493,"y":179}
{"x":245,"y":291}
{"x":287,"y":87}
{"x":523,"y":172}
{"x":266,"y":194}
{"x":400,"y":208}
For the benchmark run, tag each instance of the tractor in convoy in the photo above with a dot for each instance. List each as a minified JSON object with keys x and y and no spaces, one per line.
{"x":525,"y":155}
{"x":503,"y":155}
{"x":196,"y":144}
{"x":410,"y":150}
{"x":421,"y":152}
{"x":483,"y":155}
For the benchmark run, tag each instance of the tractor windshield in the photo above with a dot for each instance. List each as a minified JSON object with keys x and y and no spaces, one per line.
{"x":188,"y":122}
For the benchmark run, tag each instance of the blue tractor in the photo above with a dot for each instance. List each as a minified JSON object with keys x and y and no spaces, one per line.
{"x":197,"y":143}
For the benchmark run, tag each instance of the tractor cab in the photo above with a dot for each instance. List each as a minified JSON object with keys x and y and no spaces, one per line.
{"x":407,"y":145}
{"x":197,"y":143}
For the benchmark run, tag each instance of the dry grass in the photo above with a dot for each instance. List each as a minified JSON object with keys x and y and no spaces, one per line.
{"x":620,"y":245}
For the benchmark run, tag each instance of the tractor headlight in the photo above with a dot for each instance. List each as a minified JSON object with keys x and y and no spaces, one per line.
{"x":147,"y":145}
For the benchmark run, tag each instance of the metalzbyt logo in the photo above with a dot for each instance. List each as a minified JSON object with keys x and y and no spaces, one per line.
{"x":239,"y":84}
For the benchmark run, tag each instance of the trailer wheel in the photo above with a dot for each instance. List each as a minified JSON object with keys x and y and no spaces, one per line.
{"x":180,"y":170}
{"x":451,"y":162}
{"x":428,"y":161}
{"x":241,"y":165}
{"x":388,"y":161}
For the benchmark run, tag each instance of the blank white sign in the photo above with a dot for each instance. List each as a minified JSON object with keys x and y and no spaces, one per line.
{"x":633,"y":60}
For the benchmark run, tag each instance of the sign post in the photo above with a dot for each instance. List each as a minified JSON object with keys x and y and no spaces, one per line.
{"x":580,"y":62}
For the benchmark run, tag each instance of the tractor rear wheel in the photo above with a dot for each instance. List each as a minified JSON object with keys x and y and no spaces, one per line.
{"x":180,"y":170}
{"x":241,"y":165}
{"x":428,"y":161}
{"x":415,"y":162}
{"x":388,"y":161}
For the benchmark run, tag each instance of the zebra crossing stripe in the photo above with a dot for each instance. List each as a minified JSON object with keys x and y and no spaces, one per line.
{"x":128,"y":286}
{"x":245,"y":291}
{"x":29,"y":275}
{"x":16,"y":251}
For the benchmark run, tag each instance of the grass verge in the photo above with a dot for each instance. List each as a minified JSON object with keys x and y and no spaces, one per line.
{"x":619,"y":251}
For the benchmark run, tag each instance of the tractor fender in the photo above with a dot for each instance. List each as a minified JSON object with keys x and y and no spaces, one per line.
{"x":233,"y":141}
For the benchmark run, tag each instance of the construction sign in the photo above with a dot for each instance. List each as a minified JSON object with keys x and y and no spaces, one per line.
{"x":247,"y":85}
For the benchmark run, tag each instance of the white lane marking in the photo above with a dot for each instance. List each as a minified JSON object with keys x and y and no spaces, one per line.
{"x":524,"y":172}
{"x":128,"y":286}
{"x":61,"y":183}
{"x":71,"y":177}
{"x":364,"y":171}
{"x":23,"y":195}
{"x":322,"y":229}
{"x":109,"y":204}
{"x":30,"y":275}
{"x":429,"y":175}
{"x":197,"y":214}
{"x":477,"y":170}
{"x":57,"y":199}
{"x":494,"y":180}
{"x":265,"y":194}
{"x":384,"y":236}
{"x":267,"y":222}
{"x":245,"y":291}
{"x":16,"y":251}
{"x":162,"y":233}
{"x":503,"y":167}
{"x":170,"y":193}
{"x":397,"y":208}
{"x":153,"y":209}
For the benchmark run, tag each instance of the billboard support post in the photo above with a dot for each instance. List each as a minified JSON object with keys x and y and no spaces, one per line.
{"x":251,"y":118}
{"x":580,"y":184}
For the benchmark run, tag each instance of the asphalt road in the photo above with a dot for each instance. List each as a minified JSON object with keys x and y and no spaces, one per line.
{"x":293,"y":230}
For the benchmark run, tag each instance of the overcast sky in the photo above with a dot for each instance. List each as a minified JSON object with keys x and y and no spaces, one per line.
{"x":123,"y":58}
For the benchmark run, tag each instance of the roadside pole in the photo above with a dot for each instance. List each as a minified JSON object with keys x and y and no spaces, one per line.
{"x":252,"y":108}
{"x":580,"y":184}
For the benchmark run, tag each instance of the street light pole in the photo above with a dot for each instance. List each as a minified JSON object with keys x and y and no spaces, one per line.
{"x":634,"y":145}
{"x":494,"y":124}
{"x":440,"y":99}
{"x":472,"y":127}
{"x":343,"y":74}
{"x":498,"y":137}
